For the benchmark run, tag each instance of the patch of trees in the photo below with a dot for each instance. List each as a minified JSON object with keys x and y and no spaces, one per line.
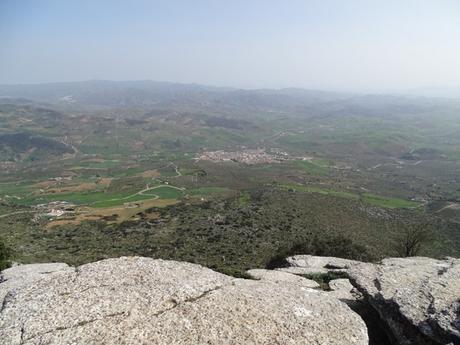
{"x":12,"y":145}
{"x":337,"y":246}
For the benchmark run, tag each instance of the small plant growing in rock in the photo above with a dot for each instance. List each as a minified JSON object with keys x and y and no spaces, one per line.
{"x":323,"y":279}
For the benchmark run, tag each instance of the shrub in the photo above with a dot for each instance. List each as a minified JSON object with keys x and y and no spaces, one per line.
{"x":278,"y":260}
{"x":4,"y":256}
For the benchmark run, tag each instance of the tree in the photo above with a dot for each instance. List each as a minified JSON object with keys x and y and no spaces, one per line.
{"x":412,"y":237}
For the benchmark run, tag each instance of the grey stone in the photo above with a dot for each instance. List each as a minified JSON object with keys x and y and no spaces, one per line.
{"x":282,"y":277}
{"x":418,"y":298}
{"x":145,"y":301}
{"x":309,"y":264}
{"x":21,"y":275}
{"x":343,"y":290}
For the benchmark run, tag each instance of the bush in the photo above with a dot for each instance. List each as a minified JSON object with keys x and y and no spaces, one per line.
{"x":4,"y":256}
{"x":278,"y":260}
{"x":342,"y":247}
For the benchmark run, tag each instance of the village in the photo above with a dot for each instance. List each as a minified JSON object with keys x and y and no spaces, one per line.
{"x":247,"y":156}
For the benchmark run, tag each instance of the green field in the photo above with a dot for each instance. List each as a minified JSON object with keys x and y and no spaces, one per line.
{"x":102,"y":199}
{"x":312,"y":168}
{"x":165,"y":192}
{"x":205,"y":191}
{"x":76,"y":198}
{"x":382,"y":201}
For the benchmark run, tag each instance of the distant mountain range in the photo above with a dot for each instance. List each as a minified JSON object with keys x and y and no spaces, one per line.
{"x":439,"y":92}
{"x":146,"y":95}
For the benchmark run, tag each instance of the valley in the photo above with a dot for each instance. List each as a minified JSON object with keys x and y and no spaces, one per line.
{"x":188,"y":174}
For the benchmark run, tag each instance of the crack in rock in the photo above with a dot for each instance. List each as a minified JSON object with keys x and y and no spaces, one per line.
{"x":85,"y":322}
{"x":188,"y":300}
{"x":79,"y":324}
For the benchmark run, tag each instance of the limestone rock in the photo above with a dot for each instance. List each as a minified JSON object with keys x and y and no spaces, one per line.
{"x":419,"y":298}
{"x":282,"y":277}
{"x":309,"y":264}
{"x":145,"y":301}
{"x":21,"y":275}
{"x":343,"y":290}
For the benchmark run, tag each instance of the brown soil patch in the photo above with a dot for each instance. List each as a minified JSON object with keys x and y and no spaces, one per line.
{"x":61,"y":222}
{"x":94,"y":160}
{"x":85,"y":186}
{"x":113,"y":215}
{"x":44,"y":184}
{"x":150,"y":174}
{"x":104,"y":182}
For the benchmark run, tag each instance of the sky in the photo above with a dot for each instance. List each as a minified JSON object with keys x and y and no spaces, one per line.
{"x":343,"y":45}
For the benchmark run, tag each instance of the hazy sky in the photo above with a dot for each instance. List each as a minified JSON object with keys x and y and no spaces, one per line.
{"x":323,"y":44}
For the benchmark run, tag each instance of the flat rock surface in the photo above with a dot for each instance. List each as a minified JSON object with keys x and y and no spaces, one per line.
{"x":18,"y":276}
{"x":325,"y":262}
{"x":310,"y":264}
{"x":418,"y":291}
{"x":144,"y":301}
{"x":282,"y":277}
{"x":344,"y":290}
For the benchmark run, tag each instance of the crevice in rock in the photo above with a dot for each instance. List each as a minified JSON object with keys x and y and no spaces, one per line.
{"x":376,"y":284}
{"x":444,"y":270}
{"x":377,"y":331}
{"x":6,"y":299}
{"x":77,"y":273}
{"x":396,"y":326}
{"x":21,"y":340}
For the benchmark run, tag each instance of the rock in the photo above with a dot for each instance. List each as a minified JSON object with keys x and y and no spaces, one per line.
{"x":341,"y":285}
{"x":144,"y":301}
{"x":21,"y":275}
{"x":282,"y":277}
{"x":309,"y":264}
{"x":418,"y":298}
{"x":343,"y":290}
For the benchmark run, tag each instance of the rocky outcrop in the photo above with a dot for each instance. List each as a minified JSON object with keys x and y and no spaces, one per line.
{"x":145,"y":301}
{"x":418,"y":298}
